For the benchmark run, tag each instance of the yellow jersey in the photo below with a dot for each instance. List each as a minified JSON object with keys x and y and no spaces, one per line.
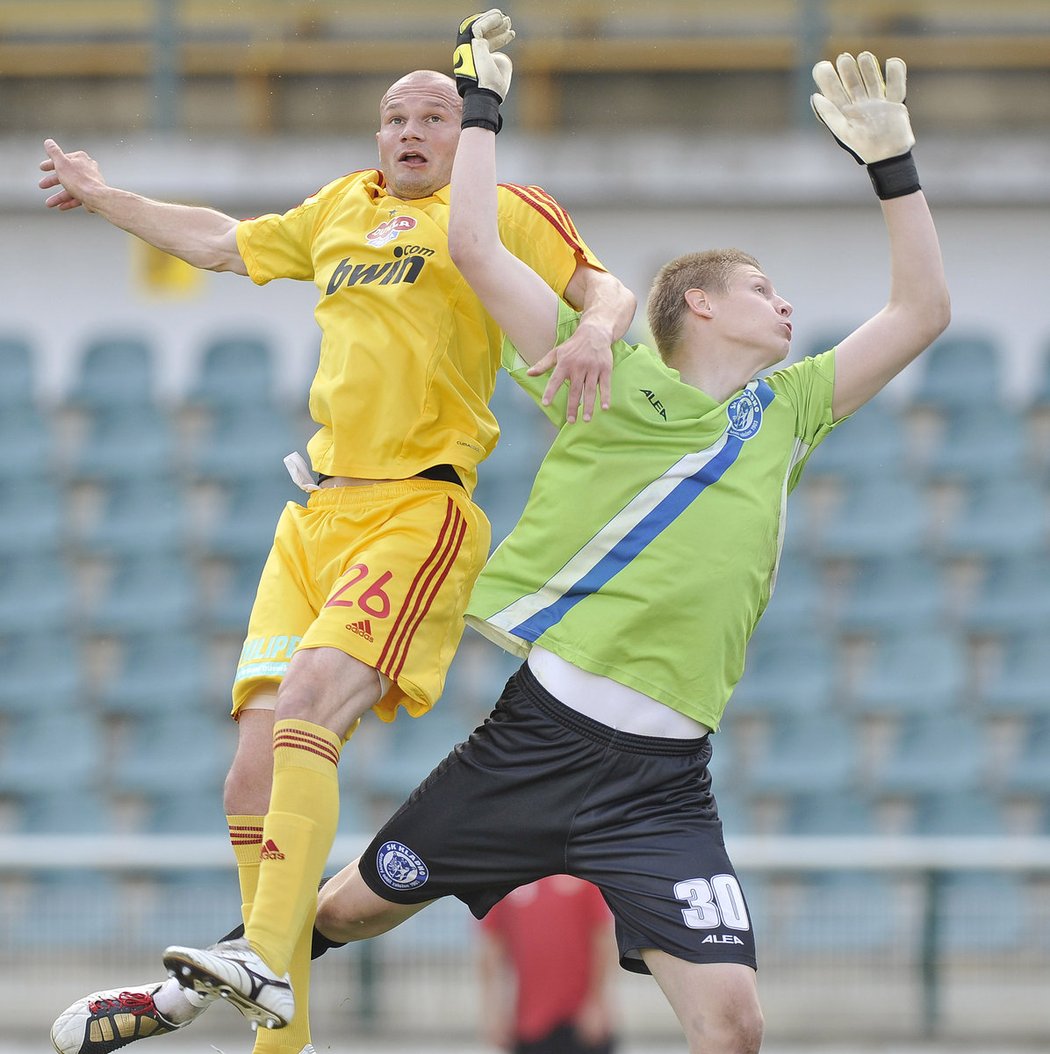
{"x":408,"y":354}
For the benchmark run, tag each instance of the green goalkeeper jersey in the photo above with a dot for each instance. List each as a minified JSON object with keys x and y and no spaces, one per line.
{"x":649,"y":545}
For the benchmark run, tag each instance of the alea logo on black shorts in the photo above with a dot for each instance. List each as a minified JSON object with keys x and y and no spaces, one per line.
{"x":399,"y":867}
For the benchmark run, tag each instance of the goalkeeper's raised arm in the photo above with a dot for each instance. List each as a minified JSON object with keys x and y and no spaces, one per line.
{"x":867,"y":116}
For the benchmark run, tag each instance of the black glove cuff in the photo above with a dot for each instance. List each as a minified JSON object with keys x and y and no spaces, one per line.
{"x":481,"y":109}
{"x":894,"y":177}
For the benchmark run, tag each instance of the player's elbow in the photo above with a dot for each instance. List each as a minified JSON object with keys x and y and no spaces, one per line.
{"x":467,"y":252}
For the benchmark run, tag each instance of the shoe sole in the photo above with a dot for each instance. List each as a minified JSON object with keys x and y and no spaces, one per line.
{"x":204,"y":982}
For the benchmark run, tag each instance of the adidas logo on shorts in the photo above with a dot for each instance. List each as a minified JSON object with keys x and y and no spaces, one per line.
{"x":362,"y":628}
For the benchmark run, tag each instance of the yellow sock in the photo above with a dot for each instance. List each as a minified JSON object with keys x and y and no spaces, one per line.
{"x":246,"y":838}
{"x":296,"y":1034}
{"x":297,"y":837}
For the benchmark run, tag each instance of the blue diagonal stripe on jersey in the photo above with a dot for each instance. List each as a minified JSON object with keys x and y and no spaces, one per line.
{"x":641,"y":534}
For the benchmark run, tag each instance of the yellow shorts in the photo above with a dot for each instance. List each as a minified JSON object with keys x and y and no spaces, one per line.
{"x":381,"y":572}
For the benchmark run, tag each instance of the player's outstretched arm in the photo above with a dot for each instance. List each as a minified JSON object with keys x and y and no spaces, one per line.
{"x":521,"y":302}
{"x":202,"y":237}
{"x":584,"y":361}
{"x":867,"y":116}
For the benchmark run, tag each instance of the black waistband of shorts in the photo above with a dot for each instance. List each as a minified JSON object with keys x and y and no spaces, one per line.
{"x":595,"y":730}
{"x":441,"y":473}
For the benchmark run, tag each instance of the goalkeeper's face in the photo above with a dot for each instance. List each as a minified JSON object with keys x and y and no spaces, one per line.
{"x":419,"y":121}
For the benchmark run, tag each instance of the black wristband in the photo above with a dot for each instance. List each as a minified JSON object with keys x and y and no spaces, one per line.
{"x":894,"y":177}
{"x":481,"y":109}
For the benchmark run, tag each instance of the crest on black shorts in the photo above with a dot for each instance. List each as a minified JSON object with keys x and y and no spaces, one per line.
{"x":399,"y":867}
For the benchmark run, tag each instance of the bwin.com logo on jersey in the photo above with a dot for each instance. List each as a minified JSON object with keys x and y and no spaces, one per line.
{"x":745,"y":414}
{"x":399,"y":867}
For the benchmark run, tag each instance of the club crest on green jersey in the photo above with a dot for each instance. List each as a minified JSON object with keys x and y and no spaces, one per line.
{"x":745,"y":414}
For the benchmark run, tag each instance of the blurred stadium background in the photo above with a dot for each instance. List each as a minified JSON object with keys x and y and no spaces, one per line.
{"x":884,"y":770}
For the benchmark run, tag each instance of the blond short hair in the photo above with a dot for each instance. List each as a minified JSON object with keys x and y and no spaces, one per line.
{"x":710,"y":270}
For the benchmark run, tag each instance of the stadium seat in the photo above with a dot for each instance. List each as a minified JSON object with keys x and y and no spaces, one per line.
{"x":982,"y":913}
{"x":933,"y":752}
{"x":914,"y":671}
{"x":78,"y":910}
{"x":244,"y":528}
{"x":57,"y":810}
{"x":245,"y":442}
{"x":27,"y":435}
{"x":1020,"y":684}
{"x":33,"y":517}
{"x":799,"y":603}
{"x":1028,"y":774}
{"x":230,"y":601}
{"x":114,"y":371}
{"x":60,"y":742}
{"x":884,"y":516}
{"x":843,"y":912}
{"x":979,"y":443}
{"x":37,"y":593}
{"x":948,"y":813}
{"x":1006,"y":602}
{"x":807,"y":752}
{"x":1005,"y":516}
{"x":234,"y":371}
{"x":893,"y":592}
{"x":168,"y":752}
{"x":162,"y":671}
{"x":959,"y":370}
{"x":140,"y":516}
{"x":847,"y":813}
{"x":872,"y":443}
{"x":40,"y":670}
{"x":146,"y":591}
{"x":125,"y":443}
{"x":18,"y":367}
{"x":787,"y":673}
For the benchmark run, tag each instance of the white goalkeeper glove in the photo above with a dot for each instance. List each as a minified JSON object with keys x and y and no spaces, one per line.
{"x":482,"y":73}
{"x":868,"y":118}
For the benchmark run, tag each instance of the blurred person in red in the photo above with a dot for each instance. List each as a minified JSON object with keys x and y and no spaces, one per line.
{"x":546,"y":958}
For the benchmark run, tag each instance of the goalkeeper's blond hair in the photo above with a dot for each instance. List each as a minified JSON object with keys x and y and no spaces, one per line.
{"x":710,"y":270}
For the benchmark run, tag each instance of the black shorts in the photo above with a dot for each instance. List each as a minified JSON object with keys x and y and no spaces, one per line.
{"x":540,"y":789}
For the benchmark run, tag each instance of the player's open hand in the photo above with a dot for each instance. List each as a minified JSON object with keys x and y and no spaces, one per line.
{"x":76,"y":174}
{"x":475,"y":62}
{"x":864,"y":113}
{"x":584,"y":362}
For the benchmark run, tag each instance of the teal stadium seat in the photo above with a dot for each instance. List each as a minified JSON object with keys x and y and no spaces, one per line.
{"x":27,"y":434}
{"x":933,"y":752}
{"x":787,"y":673}
{"x":139,"y":516}
{"x":959,"y":370}
{"x":914,"y":671}
{"x":949,"y":813}
{"x":1006,"y":601}
{"x":125,"y":443}
{"x":844,"y":912}
{"x":158,"y":671}
{"x":893,"y":592}
{"x":18,"y":370}
{"x":800,"y":599}
{"x":41,"y":671}
{"x":873,"y":443}
{"x":1028,"y":774}
{"x":245,"y":442}
{"x":170,"y":753}
{"x":807,"y":753}
{"x":146,"y":591}
{"x":1004,"y":516}
{"x":244,"y":528}
{"x":37,"y":594}
{"x":884,"y":516}
{"x":845,"y":814}
{"x":1020,"y":683}
{"x":60,"y":743}
{"x":114,"y":371}
{"x":979,"y":443}
{"x":233,"y":590}
{"x":34,"y":517}
{"x":234,"y":371}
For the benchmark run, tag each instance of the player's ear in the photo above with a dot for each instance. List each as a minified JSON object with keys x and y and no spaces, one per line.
{"x":699,"y":302}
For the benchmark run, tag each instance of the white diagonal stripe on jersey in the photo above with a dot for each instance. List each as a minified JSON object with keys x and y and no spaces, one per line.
{"x":602,"y":543}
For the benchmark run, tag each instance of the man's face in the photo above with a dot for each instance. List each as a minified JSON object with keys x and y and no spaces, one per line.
{"x":419,"y":121}
{"x":753,"y":313}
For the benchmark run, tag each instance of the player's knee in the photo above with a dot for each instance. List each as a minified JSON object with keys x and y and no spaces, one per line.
{"x":736,"y":1029}
{"x":349,"y":911}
